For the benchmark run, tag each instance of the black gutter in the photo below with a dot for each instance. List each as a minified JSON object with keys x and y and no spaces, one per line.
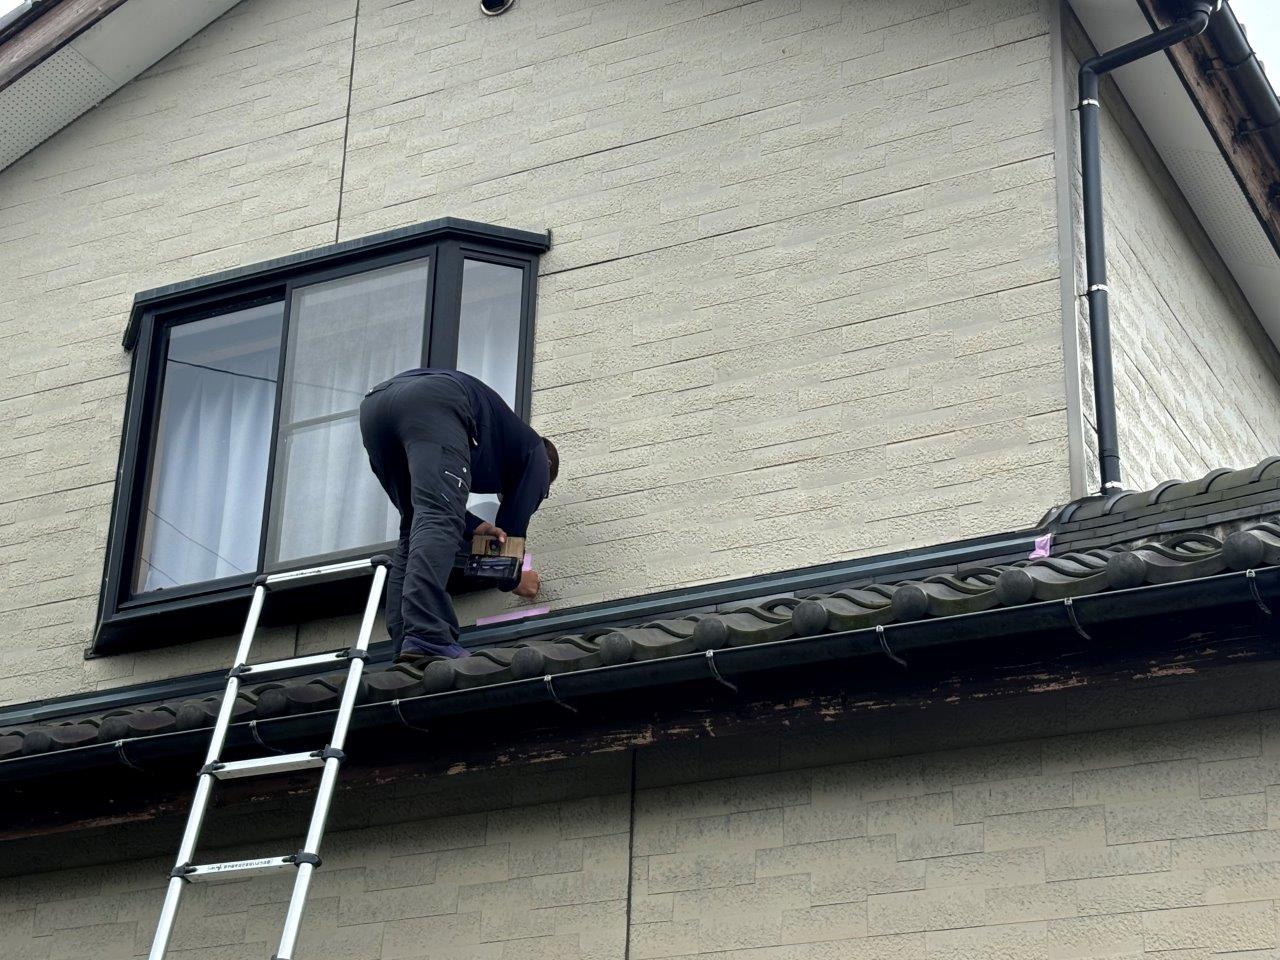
{"x":574,"y":620}
{"x":1104,"y":394}
{"x":1240,"y":61}
{"x":1086,"y":616}
{"x":625,"y":612}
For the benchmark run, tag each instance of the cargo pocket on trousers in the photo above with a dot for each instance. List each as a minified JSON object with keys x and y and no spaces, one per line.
{"x":455,"y":476}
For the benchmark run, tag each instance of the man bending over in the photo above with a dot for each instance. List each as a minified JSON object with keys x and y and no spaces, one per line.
{"x":434,"y":436}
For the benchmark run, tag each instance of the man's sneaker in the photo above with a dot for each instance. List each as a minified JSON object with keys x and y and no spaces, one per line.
{"x":418,"y":652}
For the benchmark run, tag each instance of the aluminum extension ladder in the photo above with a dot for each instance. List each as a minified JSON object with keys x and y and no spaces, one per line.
{"x":330,"y":758}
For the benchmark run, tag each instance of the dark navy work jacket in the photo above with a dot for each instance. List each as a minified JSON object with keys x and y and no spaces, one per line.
{"x":507,"y":456}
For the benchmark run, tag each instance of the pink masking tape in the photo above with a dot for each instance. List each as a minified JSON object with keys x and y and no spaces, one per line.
{"x":1043,"y":546}
{"x":518,"y":614}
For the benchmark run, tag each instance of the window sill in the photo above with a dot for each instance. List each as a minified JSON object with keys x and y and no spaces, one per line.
{"x":168,"y":622}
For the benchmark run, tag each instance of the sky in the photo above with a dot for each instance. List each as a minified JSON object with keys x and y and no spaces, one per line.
{"x":1261,"y":21}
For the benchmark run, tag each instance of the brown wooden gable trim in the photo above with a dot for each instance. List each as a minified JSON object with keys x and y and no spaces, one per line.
{"x":48,"y":34}
{"x":1223,"y":110}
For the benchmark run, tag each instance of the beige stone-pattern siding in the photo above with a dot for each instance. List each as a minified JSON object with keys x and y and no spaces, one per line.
{"x":1197,"y":380}
{"x":1141,"y":823}
{"x":802,"y":302}
{"x":533,"y":866}
{"x":226,"y":152}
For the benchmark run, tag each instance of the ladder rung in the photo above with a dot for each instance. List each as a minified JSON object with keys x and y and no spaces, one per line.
{"x":315,"y":573}
{"x":263,"y":766}
{"x":293,"y":663}
{"x":202,"y":872}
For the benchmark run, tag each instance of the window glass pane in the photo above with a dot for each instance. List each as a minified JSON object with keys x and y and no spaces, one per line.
{"x":489,"y":339}
{"x":348,"y":334}
{"x":489,"y":327}
{"x":345,"y":335}
{"x":203,"y":517}
{"x":332,"y":500}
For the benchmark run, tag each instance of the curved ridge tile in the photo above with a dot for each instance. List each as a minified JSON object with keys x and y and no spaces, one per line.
{"x":1267,"y":469}
{"x":158,"y":719}
{"x":1096,"y":506}
{"x":851,"y":609}
{"x":1077,"y":563}
{"x":1054,"y":578}
{"x":1206,"y":482}
{"x":482,"y":668}
{"x":1089,"y":508}
{"x":759,"y":624}
{"x":1111,"y":504}
{"x":1122,"y":501}
{"x":320,"y":694}
{"x":73,"y":734}
{"x":656,"y":640}
{"x":272,"y":701}
{"x":1230,"y":479}
{"x":393,"y":683}
{"x":1256,"y":547}
{"x":946,"y":595}
{"x":559,"y":656}
{"x":1185,"y":558}
{"x":36,"y":740}
{"x":1160,"y":490}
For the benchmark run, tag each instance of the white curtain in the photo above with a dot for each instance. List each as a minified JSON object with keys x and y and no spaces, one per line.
{"x":208,"y":476}
{"x":345,"y":335}
{"x":209,"y":469}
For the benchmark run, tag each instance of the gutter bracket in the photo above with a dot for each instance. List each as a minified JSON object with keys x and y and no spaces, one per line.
{"x":888,"y":651}
{"x":395,"y":705}
{"x":253,"y":729}
{"x":1252,"y":577}
{"x":1210,"y":65}
{"x":124,"y":757}
{"x":1247,"y":127}
{"x":1075,"y":622}
{"x":551,"y":689}
{"x":715,"y":672}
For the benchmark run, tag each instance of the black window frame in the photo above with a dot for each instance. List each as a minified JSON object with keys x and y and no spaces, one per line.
{"x":210,"y":608}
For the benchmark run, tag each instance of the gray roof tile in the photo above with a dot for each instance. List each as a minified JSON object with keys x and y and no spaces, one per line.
{"x":1184,"y":556}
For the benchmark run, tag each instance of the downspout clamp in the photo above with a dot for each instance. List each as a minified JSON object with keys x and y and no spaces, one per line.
{"x":1195,"y":22}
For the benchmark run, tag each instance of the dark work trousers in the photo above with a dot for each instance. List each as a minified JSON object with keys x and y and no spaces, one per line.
{"x":417,"y":433}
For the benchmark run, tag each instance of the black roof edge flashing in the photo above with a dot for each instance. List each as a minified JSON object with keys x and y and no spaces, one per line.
{"x":1082,"y":614}
{"x":624,"y":612}
{"x":443,"y":227}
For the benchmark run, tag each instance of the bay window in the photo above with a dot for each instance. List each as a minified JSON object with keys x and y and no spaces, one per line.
{"x":241,"y":452}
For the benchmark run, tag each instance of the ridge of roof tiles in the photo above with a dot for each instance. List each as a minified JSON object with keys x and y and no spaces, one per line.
{"x":1223,"y":483}
{"x":1182,"y":557}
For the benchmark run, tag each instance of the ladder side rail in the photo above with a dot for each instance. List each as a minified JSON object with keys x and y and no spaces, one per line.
{"x":329,"y":778}
{"x":204,"y":785}
{"x":251,"y":622}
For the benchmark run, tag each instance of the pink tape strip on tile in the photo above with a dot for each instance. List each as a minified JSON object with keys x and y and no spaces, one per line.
{"x":519,"y":613}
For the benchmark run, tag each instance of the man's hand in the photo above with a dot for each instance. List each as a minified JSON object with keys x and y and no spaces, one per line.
{"x":487,"y":529}
{"x":530,"y":584}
